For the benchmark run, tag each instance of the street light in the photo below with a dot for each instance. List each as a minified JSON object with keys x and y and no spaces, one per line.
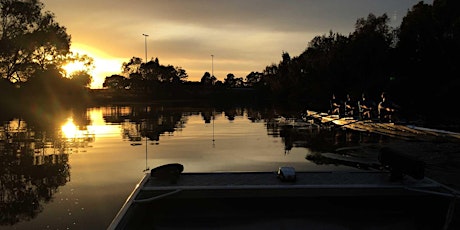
{"x":145,"y":38}
{"x":212,"y":75}
{"x":212,"y":65}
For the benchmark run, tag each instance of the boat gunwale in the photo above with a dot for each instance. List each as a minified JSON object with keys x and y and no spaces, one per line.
{"x":128,"y":203}
{"x":410,"y":186}
{"x":426,"y":182}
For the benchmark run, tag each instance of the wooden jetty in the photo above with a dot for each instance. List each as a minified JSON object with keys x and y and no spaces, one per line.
{"x":401,"y":131}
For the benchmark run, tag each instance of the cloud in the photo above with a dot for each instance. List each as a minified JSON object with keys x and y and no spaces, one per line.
{"x":246,"y":34}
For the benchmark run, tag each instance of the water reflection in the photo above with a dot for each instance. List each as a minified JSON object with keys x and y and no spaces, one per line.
{"x":34,"y":164}
{"x":35,"y":155}
{"x":329,"y":145}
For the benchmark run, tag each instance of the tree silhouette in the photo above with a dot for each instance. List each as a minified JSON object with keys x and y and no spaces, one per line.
{"x":116,"y":82}
{"x":370,"y":45}
{"x":428,"y":53}
{"x":81,"y":78}
{"x":253,"y":79}
{"x":208,"y":80}
{"x":31,"y":40}
{"x":233,"y":82}
{"x":132,"y":66}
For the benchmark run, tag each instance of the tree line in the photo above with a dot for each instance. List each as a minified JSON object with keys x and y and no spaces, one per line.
{"x":33,"y":50}
{"x":416,"y":63}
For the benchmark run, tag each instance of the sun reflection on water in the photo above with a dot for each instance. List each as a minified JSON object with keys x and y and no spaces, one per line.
{"x":69,"y":129}
{"x":99,"y":127}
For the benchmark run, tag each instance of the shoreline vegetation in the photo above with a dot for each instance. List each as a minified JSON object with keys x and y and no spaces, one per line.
{"x":415,"y":62}
{"x":53,"y":103}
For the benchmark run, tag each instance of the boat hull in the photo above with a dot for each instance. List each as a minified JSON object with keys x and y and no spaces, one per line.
{"x":332,"y":200}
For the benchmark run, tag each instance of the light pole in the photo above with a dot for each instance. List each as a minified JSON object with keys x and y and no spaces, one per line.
{"x":212,"y":65}
{"x":212,"y":75}
{"x":145,"y":38}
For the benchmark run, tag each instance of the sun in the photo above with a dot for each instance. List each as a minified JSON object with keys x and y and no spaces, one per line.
{"x":104,"y":64}
{"x":74,"y":67}
{"x":69,"y":129}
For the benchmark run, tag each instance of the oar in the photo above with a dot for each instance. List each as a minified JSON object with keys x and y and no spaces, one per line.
{"x":335,"y":119}
{"x":342,"y":125}
{"x":312,"y":114}
{"x":330,"y":121}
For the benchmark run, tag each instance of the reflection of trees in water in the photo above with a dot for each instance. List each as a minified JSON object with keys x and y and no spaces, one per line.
{"x":28,"y":179}
{"x":146,"y":121}
{"x":208,"y":115}
{"x":254,"y":115}
{"x":233,"y":112}
{"x":294,"y":136}
{"x":152,"y":121}
{"x":34,"y":163}
{"x":331,"y":146}
{"x":321,"y":139}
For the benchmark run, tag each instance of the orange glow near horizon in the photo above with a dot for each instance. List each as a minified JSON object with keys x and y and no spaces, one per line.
{"x":104,"y":64}
{"x":73,"y":67}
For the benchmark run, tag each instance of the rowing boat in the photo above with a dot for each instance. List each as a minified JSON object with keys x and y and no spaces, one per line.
{"x":167,"y":198}
{"x":396,"y":130}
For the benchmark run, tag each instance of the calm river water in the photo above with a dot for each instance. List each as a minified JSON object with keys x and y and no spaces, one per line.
{"x":75,"y":170}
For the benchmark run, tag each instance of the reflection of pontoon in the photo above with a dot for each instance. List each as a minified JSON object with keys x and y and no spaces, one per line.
{"x":294,"y":122}
{"x":167,"y":198}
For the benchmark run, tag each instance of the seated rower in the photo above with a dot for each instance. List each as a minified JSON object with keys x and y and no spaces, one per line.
{"x":386,"y":108}
{"x":336,"y":106}
{"x":366,"y":108}
{"x":351,"y":107}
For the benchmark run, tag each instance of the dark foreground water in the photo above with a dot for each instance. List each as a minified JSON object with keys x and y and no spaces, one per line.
{"x":75,"y":170}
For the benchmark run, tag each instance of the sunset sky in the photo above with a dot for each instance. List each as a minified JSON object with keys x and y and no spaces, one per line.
{"x":243,"y":35}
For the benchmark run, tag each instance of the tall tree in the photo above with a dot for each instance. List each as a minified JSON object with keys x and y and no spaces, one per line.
{"x":253,"y":79}
{"x":370,"y":45}
{"x":180,"y":75}
{"x":30,"y":39}
{"x":132,"y":66}
{"x":81,"y":78}
{"x":208,"y":80}
{"x":117,"y":82}
{"x":429,"y":52}
{"x":229,"y":81}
